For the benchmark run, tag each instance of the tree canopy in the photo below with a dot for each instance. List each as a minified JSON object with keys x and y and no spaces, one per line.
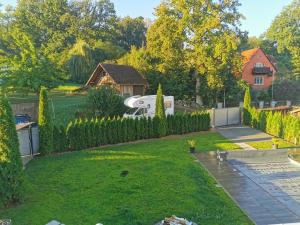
{"x":285,"y":32}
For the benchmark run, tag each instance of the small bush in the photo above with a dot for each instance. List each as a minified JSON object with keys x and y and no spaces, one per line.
{"x":106,"y":102}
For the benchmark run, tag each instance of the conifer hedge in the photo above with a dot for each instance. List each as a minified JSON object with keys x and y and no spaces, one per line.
{"x":11,"y":168}
{"x":277,"y":124}
{"x":82,"y":134}
{"x":45,"y":123}
{"x":247,"y":108}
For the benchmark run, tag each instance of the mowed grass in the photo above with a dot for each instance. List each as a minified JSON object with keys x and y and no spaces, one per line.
{"x":267,"y":145}
{"x":86,"y":187}
{"x":65,"y":103}
{"x":295,"y":154}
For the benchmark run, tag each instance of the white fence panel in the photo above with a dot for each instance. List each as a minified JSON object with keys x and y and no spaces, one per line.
{"x":234,"y":116}
{"x":225,"y":116}
{"x":221,"y":117}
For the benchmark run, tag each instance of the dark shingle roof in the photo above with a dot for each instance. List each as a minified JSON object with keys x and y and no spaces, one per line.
{"x":122,"y":74}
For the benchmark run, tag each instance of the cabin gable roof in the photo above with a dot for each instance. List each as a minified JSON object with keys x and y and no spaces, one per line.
{"x":120,"y":74}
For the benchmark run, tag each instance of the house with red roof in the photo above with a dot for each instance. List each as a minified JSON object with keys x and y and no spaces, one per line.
{"x":259,"y":69}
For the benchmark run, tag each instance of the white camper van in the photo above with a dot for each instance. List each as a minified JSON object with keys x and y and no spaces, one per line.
{"x":145,"y":106}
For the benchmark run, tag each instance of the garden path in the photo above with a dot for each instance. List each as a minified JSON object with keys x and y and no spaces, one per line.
{"x":265,"y":184}
{"x":241,"y":135}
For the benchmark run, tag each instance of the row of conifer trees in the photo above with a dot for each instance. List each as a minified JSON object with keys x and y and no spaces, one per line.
{"x":88,"y":133}
{"x":277,"y":124}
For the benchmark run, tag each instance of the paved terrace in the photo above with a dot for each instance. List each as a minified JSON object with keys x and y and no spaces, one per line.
{"x":240,"y":135}
{"x":265,"y":184}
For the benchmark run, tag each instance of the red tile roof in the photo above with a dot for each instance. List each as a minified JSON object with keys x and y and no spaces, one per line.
{"x":247,"y":55}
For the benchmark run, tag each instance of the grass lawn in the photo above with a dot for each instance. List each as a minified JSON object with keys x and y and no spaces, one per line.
{"x":267,"y":145}
{"x":65,"y":104}
{"x":85,"y":187}
{"x":295,"y":154}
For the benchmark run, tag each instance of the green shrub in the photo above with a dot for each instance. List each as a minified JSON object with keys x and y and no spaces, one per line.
{"x":106,"y":102}
{"x":45,"y":122}
{"x":277,"y":124}
{"x":59,"y":139}
{"x":262,"y":120}
{"x":92,"y":133}
{"x":160,"y":112}
{"x":124,"y":130}
{"x":70,"y":132}
{"x":103,"y":132}
{"x":247,"y":108}
{"x":150,"y":127}
{"x":11,"y":168}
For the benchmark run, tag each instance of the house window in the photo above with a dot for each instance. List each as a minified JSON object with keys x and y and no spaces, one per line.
{"x":259,"y":80}
{"x":127,"y":90}
{"x":259,"y":65}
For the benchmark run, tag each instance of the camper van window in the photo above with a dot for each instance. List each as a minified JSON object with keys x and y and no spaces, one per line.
{"x":139,"y":112}
{"x":131,"y":111}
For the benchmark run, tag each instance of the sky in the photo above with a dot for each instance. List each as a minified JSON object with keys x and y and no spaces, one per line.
{"x":259,"y":13}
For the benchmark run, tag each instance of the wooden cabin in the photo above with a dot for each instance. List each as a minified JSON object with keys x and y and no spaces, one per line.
{"x":127,"y":80}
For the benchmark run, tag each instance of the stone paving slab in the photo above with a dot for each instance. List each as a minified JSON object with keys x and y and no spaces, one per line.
{"x":242,"y":134}
{"x":267,"y":190}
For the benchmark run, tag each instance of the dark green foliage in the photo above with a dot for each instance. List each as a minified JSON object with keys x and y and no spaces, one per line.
{"x":92,"y":133}
{"x":156,"y":127}
{"x":247,"y":108}
{"x":150,"y":127}
{"x":160,"y":112}
{"x":108,"y":129}
{"x":124,"y":130}
{"x":103,"y":132}
{"x":106,"y":102}
{"x":59,"y":139}
{"x":276,"y":124}
{"x":11,"y":168}
{"x":45,"y":123}
{"x":71,"y":137}
{"x":262,"y":121}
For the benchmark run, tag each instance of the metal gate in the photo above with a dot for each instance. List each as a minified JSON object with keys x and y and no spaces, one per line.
{"x":225,"y":116}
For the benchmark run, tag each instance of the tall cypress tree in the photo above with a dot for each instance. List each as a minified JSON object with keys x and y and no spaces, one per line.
{"x":11,"y":172}
{"x":247,"y":107}
{"x":160,"y":112}
{"x":45,"y":123}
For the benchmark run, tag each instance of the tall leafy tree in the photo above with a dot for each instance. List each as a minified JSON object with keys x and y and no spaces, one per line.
{"x":11,"y":168}
{"x":47,"y":22}
{"x":45,"y":122}
{"x":80,"y":63}
{"x":93,"y":19}
{"x":285,"y":31}
{"x":201,"y":36}
{"x":131,"y":32}
{"x":23,"y":66}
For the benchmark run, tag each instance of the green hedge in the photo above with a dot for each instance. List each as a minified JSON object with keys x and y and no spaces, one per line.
{"x":82,"y":134}
{"x":277,"y":124}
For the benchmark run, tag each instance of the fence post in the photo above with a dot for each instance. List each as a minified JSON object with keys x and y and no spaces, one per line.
{"x":213,"y":117}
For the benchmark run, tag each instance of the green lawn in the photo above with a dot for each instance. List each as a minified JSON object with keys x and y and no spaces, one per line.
{"x":295,"y":154}
{"x":267,"y":145}
{"x":85,"y":187}
{"x":65,"y":102}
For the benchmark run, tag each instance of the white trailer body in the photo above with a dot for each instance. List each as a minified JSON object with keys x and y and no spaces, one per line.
{"x":144,"y":106}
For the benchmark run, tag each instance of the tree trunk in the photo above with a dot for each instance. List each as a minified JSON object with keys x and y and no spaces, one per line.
{"x":199,"y":99}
